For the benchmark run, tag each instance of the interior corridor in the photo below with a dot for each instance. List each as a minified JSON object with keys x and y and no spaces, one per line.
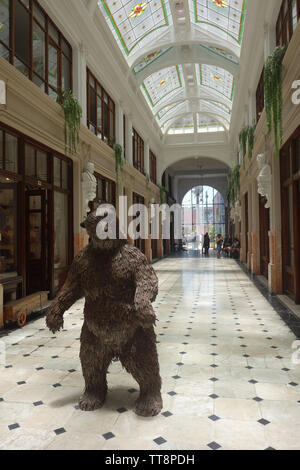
{"x":229,"y":381}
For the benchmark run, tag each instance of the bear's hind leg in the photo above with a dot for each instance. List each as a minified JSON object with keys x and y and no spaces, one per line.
{"x":141,"y":361}
{"x":94,"y":362}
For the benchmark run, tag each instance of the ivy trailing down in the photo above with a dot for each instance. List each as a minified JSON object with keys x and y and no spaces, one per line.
{"x":163,"y":194}
{"x":234,"y":185}
{"x":73,"y":114}
{"x":246,"y":137}
{"x":273,"y":94}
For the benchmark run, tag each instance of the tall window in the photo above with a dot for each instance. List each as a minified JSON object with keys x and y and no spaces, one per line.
{"x":101,"y":111}
{"x":260,"y":96}
{"x":203,"y":211}
{"x":139,"y":243}
{"x":287,"y":21}
{"x":138,"y":148}
{"x":106,"y":191}
{"x":152,"y":167}
{"x":32,"y":43}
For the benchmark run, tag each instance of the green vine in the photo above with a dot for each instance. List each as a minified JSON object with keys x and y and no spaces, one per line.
{"x":234,"y":185}
{"x":163,"y":194}
{"x":73,"y":113}
{"x":246,"y":137}
{"x":273,"y":94}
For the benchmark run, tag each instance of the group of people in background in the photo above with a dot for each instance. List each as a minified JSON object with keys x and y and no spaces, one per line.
{"x":229,"y":247}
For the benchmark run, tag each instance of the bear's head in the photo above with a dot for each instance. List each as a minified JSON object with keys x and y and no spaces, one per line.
{"x":104,"y":231}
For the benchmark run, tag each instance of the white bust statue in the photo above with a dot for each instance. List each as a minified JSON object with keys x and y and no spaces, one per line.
{"x":264,"y":180}
{"x":89,"y":186}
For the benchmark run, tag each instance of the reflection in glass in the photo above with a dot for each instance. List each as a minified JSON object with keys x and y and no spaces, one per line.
{"x":60,"y":230}
{"x":8,"y":230}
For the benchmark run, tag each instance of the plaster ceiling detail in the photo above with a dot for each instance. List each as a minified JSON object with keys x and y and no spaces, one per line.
{"x":183,"y":56}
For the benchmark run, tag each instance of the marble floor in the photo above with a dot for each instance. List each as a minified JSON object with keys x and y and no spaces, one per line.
{"x":230,"y":378}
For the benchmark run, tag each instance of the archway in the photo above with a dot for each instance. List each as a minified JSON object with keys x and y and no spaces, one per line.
{"x":203,"y":211}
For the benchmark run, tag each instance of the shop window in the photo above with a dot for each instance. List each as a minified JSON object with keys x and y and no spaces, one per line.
{"x":61,"y":171}
{"x":61,"y":231}
{"x":139,"y":243}
{"x":8,"y":152}
{"x":8,"y":229}
{"x":106,"y":191}
{"x":287,"y":21}
{"x":36,"y":163}
{"x":101,"y":111}
{"x":29,"y":41}
{"x":138,"y":147}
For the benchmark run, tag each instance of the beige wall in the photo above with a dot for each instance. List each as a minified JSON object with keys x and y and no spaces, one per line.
{"x":264,"y":143}
{"x":31,"y":112}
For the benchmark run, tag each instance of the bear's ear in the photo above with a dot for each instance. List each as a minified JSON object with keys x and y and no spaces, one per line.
{"x":83,"y":225}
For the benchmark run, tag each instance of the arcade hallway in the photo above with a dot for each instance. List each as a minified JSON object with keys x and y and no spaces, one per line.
{"x":226,"y":364}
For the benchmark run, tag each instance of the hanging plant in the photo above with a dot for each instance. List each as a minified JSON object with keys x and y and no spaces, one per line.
{"x":243,"y":139}
{"x":234,"y":185}
{"x":273,"y":94}
{"x":163,"y":194}
{"x":251,"y":133}
{"x":73,"y":113}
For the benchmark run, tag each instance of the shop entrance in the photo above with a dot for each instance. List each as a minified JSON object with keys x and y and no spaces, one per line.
{"x":37,"y":241}
{"x":264,"y":217}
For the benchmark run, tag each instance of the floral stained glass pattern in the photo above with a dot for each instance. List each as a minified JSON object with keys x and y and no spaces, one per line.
{"x":168,"y":110}
{"x":184,"y":125}
{"x":161,"y":84}
{"x":134,"y":23}
{"x":149,"y":59}
{"x":217,"y":79}
{"x":225,"y":18}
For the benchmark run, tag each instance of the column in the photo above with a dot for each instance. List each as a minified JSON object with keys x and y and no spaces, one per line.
{"x":119,"y":124}
{"x":270,"y":39}
{"x":1,"y":306}
{"x":275,"y":234}
{"x":80,"y":79}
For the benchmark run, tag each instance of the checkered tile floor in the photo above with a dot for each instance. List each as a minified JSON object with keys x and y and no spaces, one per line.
{"x":229,"y":381}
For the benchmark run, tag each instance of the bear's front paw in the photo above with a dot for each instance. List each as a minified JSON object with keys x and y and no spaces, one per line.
{"x":54,"y":322}
{"x":89,"y":402}
{"x":149,"y":405}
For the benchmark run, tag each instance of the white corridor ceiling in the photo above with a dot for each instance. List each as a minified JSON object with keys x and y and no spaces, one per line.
{"x":184,"y":55}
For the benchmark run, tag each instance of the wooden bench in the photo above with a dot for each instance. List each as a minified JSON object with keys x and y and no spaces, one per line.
{"x":17,"y":310}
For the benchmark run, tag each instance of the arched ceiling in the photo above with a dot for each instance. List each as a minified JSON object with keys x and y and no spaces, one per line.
{"x":184,"y":55}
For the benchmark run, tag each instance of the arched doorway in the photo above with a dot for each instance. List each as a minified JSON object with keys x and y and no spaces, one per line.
{"x":203,"y":211}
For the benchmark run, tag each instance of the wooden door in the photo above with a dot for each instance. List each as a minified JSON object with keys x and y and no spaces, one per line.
{"x":247,"y":225}
{"x":264,"y":218}
{"x":36,"y":241}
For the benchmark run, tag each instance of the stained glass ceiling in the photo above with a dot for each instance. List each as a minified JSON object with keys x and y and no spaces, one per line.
{"x":161,"y":84}
{"x":224,"y":18}
{"x":216,"y":78}
{"x":133,"y":24}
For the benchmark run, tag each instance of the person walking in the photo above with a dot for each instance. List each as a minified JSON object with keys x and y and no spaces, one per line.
{"x":206,"y":244}
{"x":219,"y":241}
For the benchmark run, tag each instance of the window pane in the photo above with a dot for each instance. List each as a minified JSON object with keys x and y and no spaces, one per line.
{"x":57,"y":176}
{"x":22,"y":32}
{"x":64,"y":174}
{"x":8,"y":230}
{"x":52,"y":94}
{"x":60,"y":230}
{"x":105,"y":122}
{"x":11,"y":153}
{"x":66,"y":49}
{"x":298,"y":154}
{"x":38,"y":50}
{"x":53,"y":32}
{"x":39,"y":82}
{"x":22,"y":67}
{"x":29,"y":161}
{"x":4,"y":53}
{"x":111,"y":128}
{"x":66,"y":74}
{"x":99,"y":117}
{"x":4,"y":21}
{"x":42,"y":171}
{"x":53,"y":67}
{"x":38,"y":14}
{"x":93,"y":118}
